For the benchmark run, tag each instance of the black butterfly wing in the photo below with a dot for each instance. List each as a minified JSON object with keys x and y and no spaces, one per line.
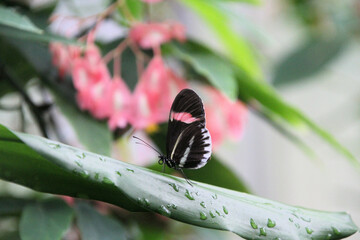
{"x":188,"y":140}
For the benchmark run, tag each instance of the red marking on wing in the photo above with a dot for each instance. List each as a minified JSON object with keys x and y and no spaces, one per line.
{"x":183,"y":117}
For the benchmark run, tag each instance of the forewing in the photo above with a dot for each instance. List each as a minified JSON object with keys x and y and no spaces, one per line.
{"x":192,"y":148}
{"x":187,"y":109}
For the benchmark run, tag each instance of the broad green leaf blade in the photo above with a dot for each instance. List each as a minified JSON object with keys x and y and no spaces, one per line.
{"x":215,"y":172}
{"x":94,"y":226}
{"x":203,"y":205}
{"x":9,"y":17}
{"x":31,"y":170}
{"x":13,"y":206}
{"x":93,"y":134}
{"x":308,"y":59}
{"x":218,"y":73}
{"x":237,"y":48}
{"x":45,"y":220}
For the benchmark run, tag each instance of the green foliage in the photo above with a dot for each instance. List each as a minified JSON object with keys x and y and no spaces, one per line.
{"x":10,"y":18}
{"x":237,"y":48}
{"x":94,"y":226}
{"x":308,"y":59}
{"x":45,"y":220}
{"x":261,"y":96}
{"x":219,"y":73}
{"x":136,"y":188}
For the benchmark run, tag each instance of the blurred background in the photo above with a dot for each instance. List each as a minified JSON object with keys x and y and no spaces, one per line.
{"x":308,"y":51}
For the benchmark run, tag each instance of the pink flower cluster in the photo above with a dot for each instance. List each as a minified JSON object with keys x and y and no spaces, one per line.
{"x":152,"y":35}
{"x":107,"y":97}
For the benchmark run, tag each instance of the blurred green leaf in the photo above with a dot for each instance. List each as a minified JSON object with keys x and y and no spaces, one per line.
{"x":12,"y":205}
{"x":135,"y":8}
{"x":12,"y":59}
{"x":309,"y":58}
{"x":45,"y":220}
{"x":95,"y":226}
{"x":238,"y":50}
{"x":239,"y":1}
{"x":36,"y":37}
{"x":11,"y":235}
{"x":95,"y":135}
{"x":256,"y":92}
{"x":218,"y":73}
{"x":32,"y":160}
{"x":16,"y":25}
{"x":9,"y":17}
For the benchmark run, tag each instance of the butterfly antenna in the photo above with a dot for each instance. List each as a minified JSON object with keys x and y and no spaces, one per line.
{"x":188,"y":180}
{"x":146,"y":144}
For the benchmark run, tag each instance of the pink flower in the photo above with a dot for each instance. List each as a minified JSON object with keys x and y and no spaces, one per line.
{"x":91,"y":79}
{"x":63,"y":57}
{"x":120,"y":103}
{"x":152,"y":35}
{"x":224,"y":117}
{"x":154,"y":94}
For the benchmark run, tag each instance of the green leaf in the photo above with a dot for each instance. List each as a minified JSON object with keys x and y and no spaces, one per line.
{"x":16,"y":25}
{"x":219,"y":73}
{"x":11,"y":235}
{"x":215,"y":172}
{"x":45,"y":220}
{"x":9,"y":17}
{"x":43,"y":37}
{"x":308,"y":59}
{"x":94,"y":226}
{"x":12,"y":59}
{"x":237,"y":48}
{"x":135,"y":7}
{"x":240,"y":1}
{"x":203,"y":205}
{"x":95,"y":135}
{"x":13,"y":206}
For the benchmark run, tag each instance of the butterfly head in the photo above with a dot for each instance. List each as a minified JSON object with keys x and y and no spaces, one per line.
{"x":163,"y":159}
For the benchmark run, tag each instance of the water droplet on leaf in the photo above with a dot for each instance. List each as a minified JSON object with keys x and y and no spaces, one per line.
{"x":203,"y":216}
{"x":189,"y":195}
{"x":271,"y":223}
{"x":253,"y":224}
{"x":225,"y":210}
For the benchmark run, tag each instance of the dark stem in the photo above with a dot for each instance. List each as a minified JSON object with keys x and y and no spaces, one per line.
{"x":37,"y":111}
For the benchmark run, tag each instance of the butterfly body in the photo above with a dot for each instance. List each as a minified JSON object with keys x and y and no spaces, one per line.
{"x":188,"y":142}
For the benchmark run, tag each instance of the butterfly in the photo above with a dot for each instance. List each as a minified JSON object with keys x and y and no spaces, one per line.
{"x":188,"y":142}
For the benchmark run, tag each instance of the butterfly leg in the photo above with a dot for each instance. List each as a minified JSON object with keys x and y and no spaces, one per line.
{"x":163,"y":169}
{"x":187,"y":180}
